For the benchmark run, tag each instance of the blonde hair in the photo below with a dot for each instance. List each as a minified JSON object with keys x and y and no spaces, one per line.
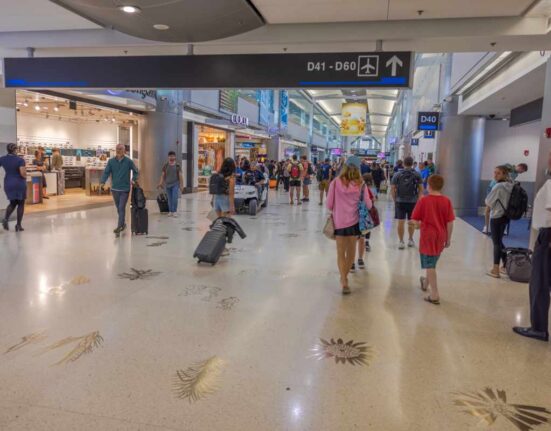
{"x":350,"y":174}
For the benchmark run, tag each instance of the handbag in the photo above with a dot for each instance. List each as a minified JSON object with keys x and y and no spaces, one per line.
{"x":365,"y":220}
{"x":329,"y":228}
{"x":374,"y":213}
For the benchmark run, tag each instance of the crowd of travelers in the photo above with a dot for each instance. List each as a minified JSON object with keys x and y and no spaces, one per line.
{"x":350,"y":187}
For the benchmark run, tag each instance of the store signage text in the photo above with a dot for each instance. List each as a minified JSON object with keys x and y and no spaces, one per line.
{"x":328,"y":70}
{"x":240,"y":120}
{"x":428,"y":120}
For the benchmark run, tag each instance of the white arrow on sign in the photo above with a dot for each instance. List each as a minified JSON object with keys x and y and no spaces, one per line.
{"x":394,"y":62}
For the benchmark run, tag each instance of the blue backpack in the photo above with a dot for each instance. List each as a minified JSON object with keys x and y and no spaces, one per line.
{"x":366,"y":222}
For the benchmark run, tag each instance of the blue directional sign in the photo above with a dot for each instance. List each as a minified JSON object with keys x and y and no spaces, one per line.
{"x":414,"y":142}
{"x":428,"y":121}
{"x":429,"y":134}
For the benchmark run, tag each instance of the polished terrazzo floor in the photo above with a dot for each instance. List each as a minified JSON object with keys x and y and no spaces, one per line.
{"x":131,"y":334}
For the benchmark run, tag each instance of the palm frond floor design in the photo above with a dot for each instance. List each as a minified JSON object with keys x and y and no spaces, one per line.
{"x":157,"y":244}
{"x":349,"y":352}
{"x":489,"y":404}
{"x":35,"y":337}
{"x":85,"y":344}
{"x":199,"y":380}
{"x":138,"y":274}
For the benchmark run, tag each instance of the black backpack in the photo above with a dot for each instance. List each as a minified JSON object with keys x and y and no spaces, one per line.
{"x":138,"y":198}
{"x":218,"y":185}
{"x":518,"y":203}
{"x":310,"y":171}
{"x":407,"y":184}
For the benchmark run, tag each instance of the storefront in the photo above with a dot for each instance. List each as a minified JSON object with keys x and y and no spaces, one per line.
{"x":252,"y":147}
{"x":213,"y":146}
{"x":288,"y":149}
{"x":72,"y":140}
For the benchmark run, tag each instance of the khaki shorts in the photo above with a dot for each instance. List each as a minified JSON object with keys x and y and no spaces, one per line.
{"x":324,"y":185}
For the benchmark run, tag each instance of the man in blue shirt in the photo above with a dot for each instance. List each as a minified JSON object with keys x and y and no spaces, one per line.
{"x":324,"y":178}
{"x":119,"y":168}
{"x":364,"y":167}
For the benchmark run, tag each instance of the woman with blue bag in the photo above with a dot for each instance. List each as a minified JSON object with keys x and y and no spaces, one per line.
{"x":348,"y":215}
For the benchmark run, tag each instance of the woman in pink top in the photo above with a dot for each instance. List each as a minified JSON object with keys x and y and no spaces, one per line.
{"x":342,"y":201}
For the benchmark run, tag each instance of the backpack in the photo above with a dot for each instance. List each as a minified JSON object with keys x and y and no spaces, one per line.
{"x":138,"y":198}
{"x":217,"y":185}
{"x":407,"y":184}
{"x":295,"y":171}
{"x":518,"y":203}
{"x":310,"y":171}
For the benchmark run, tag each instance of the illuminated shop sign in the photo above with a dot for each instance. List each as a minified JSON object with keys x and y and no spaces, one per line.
{"x":240,"y":120}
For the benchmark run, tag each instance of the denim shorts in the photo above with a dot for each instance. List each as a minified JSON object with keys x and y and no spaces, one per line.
{"x":221,"y":203}
{"x":429,"y":262}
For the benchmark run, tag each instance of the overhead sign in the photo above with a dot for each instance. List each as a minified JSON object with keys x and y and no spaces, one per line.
{"x":353,"y":118}
{"x":240,"y":120}
{"x":283,"y":109}
{"x":337,"y":70}
{"x":414,"y":142}
{"x":428,"y":120}
{"x":429,"y":134}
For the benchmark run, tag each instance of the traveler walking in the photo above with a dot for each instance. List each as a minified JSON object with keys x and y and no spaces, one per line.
{"x":363,"y":240}
{"x":378,"y":177}
{"x":15,"y":186}
{"x":425,"y":174}
{"x":434,"y":215}
{"x":172,"y":181}
{"x":342,"y":201}
{"x":307,"y":173}
{"x":119,"y":168}
{"x":295,"y":169}
{"x":364,"y":167}
{"x":223,"y":192}
{"x":324,"y":178}
{"x":498,"y":200}
{"x":286,"y":175}
{"x":540,"y":280}
{"x":406,"y":189}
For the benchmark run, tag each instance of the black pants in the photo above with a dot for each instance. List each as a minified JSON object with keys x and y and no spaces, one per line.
{"x":20,"y":205}
{"x":286,"y":183}
{"x":497,"y":226}
{"x":540,"y":282}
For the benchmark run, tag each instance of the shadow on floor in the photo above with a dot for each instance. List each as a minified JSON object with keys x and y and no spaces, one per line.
{"x":519,"y":232}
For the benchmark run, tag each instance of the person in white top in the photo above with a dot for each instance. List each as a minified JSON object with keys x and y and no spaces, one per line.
{"x":540,"y":280}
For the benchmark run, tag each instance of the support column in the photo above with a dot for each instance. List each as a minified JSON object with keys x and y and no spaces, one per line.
{"x":460,"y":151}
{"x":8,"y":132}
{"x":162,"y":132}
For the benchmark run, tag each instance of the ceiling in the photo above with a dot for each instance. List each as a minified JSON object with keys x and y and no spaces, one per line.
{"x":39,"y":15}
{"x":380,"y":104}
{"x":323,"y":11}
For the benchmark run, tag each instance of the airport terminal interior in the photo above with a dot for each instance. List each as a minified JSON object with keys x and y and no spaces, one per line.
{"x":319,"y":215}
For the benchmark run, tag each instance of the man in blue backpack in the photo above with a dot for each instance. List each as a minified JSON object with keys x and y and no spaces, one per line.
{"x":119,"y":168}
{"x":324,"y":178}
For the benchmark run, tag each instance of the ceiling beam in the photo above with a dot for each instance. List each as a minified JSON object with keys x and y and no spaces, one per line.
{"x":369,"y":113}
{"x":354,"y":97}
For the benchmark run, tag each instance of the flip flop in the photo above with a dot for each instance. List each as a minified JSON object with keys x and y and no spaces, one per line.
{"x":346,"y":290}
{"x":432,"y":301}
{"x":491,"y":274}
{"x":423,"y":281}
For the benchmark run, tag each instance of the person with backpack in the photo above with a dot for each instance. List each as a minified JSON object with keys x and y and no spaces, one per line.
{"x":540,"y":276}
{"x":119,"y":169}
{"x":407,"y":187}
{"x":498,"y":201}
{"x":378,"y":177}
{"x":172,"y":181}
{"x":295,"y":169}
{"x":342,"y":200}
{"x":307,"y":173}
{"x":222,"y":189}
{"x":324,"y":177}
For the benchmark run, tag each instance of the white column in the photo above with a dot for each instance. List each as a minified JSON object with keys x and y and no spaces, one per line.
{"x":8,"y":132}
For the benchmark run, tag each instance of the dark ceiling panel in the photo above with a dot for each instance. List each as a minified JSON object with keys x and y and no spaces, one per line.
{"x":189,"y":20}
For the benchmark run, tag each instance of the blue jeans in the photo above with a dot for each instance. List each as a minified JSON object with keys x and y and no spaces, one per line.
{"x":121,"y":199}
{"x":173,"y":193}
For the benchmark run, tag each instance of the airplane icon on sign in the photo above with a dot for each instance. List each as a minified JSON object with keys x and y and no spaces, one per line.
{"x":368,"y":65}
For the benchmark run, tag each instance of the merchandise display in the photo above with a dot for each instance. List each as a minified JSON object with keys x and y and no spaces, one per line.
{"x":211,"y":152}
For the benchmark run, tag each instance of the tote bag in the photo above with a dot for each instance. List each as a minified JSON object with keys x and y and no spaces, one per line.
{"x":366,"y":222}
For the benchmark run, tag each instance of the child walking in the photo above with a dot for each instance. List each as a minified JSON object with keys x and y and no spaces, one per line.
{"x":434,"y":215}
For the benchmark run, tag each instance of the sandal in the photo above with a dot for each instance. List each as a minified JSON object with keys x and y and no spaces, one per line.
{"x":432,"y":301}
{"x":346,"y":290}
{"x":493,"y":275}
{"x":423,"y":281}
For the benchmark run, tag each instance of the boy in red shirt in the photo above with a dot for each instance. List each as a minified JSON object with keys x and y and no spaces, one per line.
{"x":434,"y":214}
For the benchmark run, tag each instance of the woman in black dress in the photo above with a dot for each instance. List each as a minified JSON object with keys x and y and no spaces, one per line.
{"x":15,"y":185}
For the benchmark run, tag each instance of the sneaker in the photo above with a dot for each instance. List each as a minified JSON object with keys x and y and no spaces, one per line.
{"x":367,"y":246}
{"x":485,"y":230}
{"x":117,"y":230}
{"x":361,"y":264}
{"x":123,"y":228}
{"x":353,"y":269}
{"x":402,"y":245}
{"x":226,"y":252}
{"x":411,"y":243}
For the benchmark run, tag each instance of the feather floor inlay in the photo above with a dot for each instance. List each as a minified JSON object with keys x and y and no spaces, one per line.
{"x":84,"y":344}
{"x":35,"y":337}
{"x":199,"y":380}
{"x":345,"y":353}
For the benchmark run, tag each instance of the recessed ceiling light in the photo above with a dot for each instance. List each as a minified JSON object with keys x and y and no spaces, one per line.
{"x":130,"y":9}
{"x":36,"y":108}
{"x":161,"y":27}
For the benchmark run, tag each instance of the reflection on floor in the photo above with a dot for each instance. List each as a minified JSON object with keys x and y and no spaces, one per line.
{"x":519,"y":230}
{"x":72,"y":200}
{"x":99,"y":333}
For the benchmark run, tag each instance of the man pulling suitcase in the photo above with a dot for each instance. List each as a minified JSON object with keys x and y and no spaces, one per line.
{"x":119,"y":168}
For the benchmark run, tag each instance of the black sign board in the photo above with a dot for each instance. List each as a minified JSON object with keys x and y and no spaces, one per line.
{"x":428,"y":120}
{"x":327,"y":70}
{"x":414,"y":142}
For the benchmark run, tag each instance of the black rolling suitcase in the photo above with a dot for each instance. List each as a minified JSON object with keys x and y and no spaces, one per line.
{"x":139,"y":217}
{"x":211,"y":246}
{"x":162,"y":200}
